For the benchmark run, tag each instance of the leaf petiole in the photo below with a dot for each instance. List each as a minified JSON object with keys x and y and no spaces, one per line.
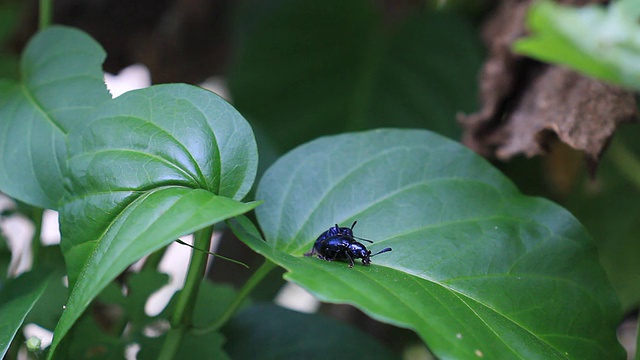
{"x":254,"y":280}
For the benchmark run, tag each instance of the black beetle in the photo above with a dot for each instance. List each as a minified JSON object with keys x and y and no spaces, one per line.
{"x":339,"y":243}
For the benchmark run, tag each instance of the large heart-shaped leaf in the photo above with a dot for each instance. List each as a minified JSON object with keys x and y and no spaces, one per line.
{"x":61,"y":83}
{"x":150,"y":166}
{"x":477,"y":269}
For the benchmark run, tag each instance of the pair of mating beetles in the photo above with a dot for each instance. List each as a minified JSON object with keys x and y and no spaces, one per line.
{"x":338,"y":243}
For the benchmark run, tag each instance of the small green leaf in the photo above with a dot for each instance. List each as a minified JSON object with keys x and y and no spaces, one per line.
{"x":603,"y":43}
{"x":17,"y":298}
{"x":89,"y":340}
{"x":213,"y":300}
{"x":207,"y":347}
{"x":48,"y":309}
{"x":61,"y":82}
{"x":5,"y":258}
{"x":91,"y":336}
{"x":278,"y":333}
{"x":476,"y":267}
{"x":149,"y":223}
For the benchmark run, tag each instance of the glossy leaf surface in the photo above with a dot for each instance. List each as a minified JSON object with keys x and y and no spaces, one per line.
{"x":61,"y":82}
{"x":172,"y":135}
{"x":477,"y":269}
{"x":151,"y":165}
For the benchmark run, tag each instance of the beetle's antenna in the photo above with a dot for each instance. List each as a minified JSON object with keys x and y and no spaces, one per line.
{"x":354,"y":224}
{"x":212,"y":254}
{"x":363,"y":239}
{"x":382,"y":251}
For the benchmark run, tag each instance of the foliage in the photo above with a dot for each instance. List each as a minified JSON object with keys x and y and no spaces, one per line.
{"x":437,"y":212}
{"x":477,"y":268}
{"x":601,"y":42}
{"x":359,"y":77}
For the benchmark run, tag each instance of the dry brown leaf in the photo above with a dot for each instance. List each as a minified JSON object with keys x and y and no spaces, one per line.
{"x":526,"y":104}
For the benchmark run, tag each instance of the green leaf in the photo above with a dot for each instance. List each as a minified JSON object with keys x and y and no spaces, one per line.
{"x":48,"y":309}
{"x":603,"y":43}
{"x":17,"y":298}
{"x":307,"y":68}
{"x":610,"y":213}
{"x":93,"y":337}
{"x":139,"y":287}
{"x":476,"y":267}
{"x":213,"y":300}
{"x":62,"y":81}
{"x":149,"y":223}
{"x":5,"y":258}
{"x":207,"y":346}
{"x":169,"y":135}
{"x":278,"y":333}
{"x":151,"y":165}
{"x":89,"y":340}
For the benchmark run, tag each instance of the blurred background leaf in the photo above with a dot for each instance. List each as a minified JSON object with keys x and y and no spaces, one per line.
{"x":309,"y":68}
{"x":17,"y":298}
{"x":56,"y":91}
{"x":279,"y":334}
{"x":603,"y":42}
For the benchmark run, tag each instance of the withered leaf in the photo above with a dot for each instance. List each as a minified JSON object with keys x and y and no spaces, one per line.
{"x":526,"y":104}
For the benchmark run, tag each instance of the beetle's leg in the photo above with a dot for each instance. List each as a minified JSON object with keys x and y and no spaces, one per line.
{"x":335,"y":255}
{"x":351,"y":263}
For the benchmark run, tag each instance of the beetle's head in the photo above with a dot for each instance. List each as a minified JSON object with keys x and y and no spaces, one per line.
{"x":366,"y":257}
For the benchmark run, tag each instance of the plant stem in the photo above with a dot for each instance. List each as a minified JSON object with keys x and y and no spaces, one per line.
{"x":254,"y":280}
{"x":45,"y":14}
{"x":36,"y":242}
{"x":172,"y":343}
{"x":183,"y":314}
{"x":154,"y":259}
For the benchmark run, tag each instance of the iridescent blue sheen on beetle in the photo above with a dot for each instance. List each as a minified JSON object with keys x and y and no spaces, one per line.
{"x":338,"y":243}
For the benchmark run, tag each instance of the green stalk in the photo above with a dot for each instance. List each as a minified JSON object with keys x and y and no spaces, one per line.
{"x":183,"y":314}
{"x":45,"y":14}
{"x":154,"y":259}
{"x":36,"y":242}
{"x":254,"y":280}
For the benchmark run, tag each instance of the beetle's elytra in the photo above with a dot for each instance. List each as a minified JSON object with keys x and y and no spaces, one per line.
{"x":338,"y":243}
